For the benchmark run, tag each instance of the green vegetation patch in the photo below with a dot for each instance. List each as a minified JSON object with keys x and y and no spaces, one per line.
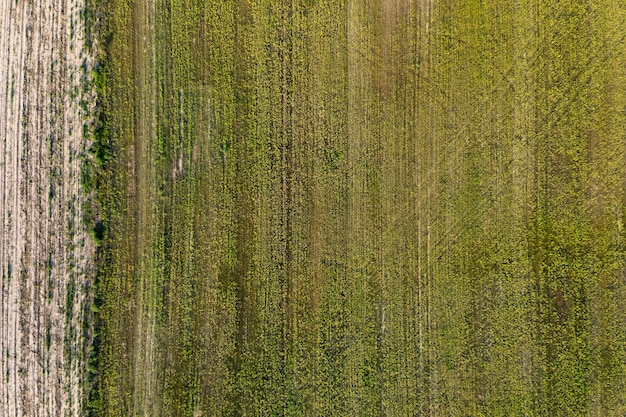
{"x":359,"y":208}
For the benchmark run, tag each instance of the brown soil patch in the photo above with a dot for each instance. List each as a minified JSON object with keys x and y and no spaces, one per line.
{"x":45,"y":250}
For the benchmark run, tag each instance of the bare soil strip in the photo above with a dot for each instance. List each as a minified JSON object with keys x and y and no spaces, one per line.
{"x":45,"y":250}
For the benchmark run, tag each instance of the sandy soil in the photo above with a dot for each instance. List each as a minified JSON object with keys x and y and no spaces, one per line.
{"x":45,"y":251}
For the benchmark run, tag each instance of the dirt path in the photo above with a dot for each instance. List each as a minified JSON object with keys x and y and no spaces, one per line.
{"x":45,"y":251}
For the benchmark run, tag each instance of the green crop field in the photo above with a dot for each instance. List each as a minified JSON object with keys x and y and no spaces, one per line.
{"x":359,"y":208}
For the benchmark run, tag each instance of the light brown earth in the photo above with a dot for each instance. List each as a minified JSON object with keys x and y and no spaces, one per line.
{"x":45,"y":250}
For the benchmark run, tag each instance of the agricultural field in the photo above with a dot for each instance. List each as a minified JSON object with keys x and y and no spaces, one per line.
{"x":321,"y":207}
{"x":46,"y":252}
